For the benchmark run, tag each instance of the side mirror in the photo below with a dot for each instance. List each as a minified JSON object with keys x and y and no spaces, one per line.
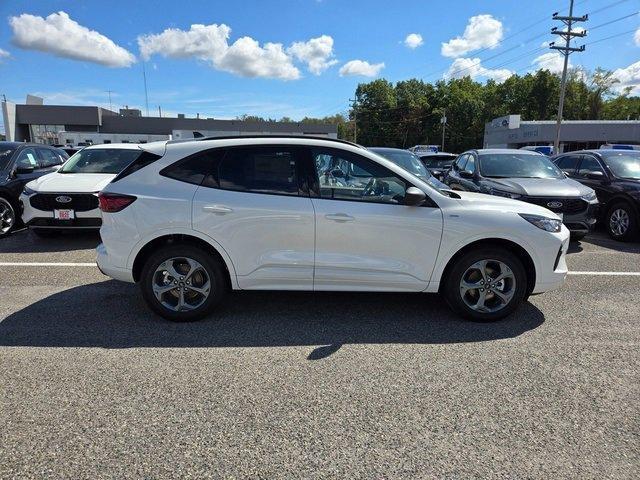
{"x":466,"y":174}
{"x":24,"y":170}
{"x":414,"y":196}
{"x":595,"y":175}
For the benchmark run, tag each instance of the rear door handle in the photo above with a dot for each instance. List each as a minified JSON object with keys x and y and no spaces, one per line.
{"x":218,"y":209}
{"x":339,"y":217}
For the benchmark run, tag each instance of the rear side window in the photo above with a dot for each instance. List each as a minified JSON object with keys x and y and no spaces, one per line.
{"x":195,"y":168}
{"x":142,"y":160}
{"x":260,"y":170}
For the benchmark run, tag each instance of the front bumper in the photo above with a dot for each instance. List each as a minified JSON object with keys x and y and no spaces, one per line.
{"x":583,"y":223}
{"x":35,"y":218}
{"x":555,"y":276}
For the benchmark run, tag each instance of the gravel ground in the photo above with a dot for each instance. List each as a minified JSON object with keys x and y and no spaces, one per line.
{"x":315,"y":385}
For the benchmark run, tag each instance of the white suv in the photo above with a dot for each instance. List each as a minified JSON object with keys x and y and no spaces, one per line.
{"x":296,"y":213}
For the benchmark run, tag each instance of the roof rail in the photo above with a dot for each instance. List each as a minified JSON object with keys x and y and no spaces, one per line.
{"x":229,"y":137}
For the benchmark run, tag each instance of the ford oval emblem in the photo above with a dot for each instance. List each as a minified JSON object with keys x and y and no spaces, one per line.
{"x":554,"y":204}
{"x":63,"y":199}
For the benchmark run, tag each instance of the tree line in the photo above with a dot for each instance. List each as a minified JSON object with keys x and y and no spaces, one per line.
{"x":409,"y":112}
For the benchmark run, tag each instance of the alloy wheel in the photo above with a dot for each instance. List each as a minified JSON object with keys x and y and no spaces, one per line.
{"x":181,"y":284}
{"x":7,"y":217}
{"x":619,"y":222}
{"x":488,"y":286}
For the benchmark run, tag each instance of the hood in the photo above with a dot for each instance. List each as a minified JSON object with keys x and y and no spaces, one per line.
{"x":71,"y":182}
{"x":539,"y":187}
{"x":502,"y":204}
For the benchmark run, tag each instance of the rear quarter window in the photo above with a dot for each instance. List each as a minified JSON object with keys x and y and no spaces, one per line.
{"x":195,"y":168}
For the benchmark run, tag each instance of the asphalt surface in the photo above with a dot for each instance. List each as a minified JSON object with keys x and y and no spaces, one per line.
{"x":323,"y":385}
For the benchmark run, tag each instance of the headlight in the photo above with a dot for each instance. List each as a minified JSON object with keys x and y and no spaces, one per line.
{"x":503,"y":193}
{"x":590,"y":197}
{"x":547,"y":224}
{"x":28,"y":191}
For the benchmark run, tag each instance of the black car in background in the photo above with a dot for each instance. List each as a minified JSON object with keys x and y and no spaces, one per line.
{"x":527,"y":176}
{"x":19,"y":164}
{"x":615,"y":176}
{"x":438,"y":163}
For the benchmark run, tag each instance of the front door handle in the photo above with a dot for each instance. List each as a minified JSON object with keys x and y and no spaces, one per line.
{"x":217,"y":209}
{"x":339,"y":217}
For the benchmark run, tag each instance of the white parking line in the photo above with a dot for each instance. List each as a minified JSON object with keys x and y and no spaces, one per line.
{"x":615,"y":274}
{"x":47,"y":264}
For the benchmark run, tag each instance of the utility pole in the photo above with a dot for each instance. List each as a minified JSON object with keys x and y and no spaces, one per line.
{"x":354,"y":104}
{"x":443,"y":121}
{"x":566,"y":50}
{"x":159,"y":111}
{"x":146,"y":95}
{"x":110,"y":106}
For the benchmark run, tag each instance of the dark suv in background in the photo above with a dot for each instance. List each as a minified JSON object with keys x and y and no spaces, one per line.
{"x":527,"y":176}
{"x":438,"y":163}
{"x":615,"y":177}
{"x":19,"y":164}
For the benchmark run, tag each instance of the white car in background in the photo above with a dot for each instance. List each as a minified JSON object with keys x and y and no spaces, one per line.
{"x":68,"y":199}
{"x":268,"y":213}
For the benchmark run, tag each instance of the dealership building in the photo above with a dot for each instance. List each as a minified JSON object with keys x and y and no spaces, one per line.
{"x":85,"y":125}
{"x":512,"y":132}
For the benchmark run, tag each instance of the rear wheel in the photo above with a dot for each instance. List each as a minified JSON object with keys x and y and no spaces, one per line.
{"x":621,"y":222}
{"x":183,"y":283}
{"x":486,"y":285}
{"x":7,"y":217}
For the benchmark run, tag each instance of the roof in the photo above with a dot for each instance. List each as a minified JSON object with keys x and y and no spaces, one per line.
{"x":507,"y":150}
{"x":437,"y":154}
{"x":123,"y":146}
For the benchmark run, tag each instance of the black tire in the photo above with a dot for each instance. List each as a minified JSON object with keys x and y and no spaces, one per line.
{"x":452,"y":283}
{"x":632,"y":228}
{"x":8,"y":218}
{"x":45,"y":232}
{"x":213,"y":267}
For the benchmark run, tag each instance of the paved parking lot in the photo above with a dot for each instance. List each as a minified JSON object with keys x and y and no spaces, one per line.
{"x":314,"y":385}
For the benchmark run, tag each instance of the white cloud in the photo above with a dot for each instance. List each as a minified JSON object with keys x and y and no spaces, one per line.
{"x":636,"y":37}
{"x":4,"y":55}
{"x":413,"y":41}
{"x":360,"y":67}
{"x":317,"y":53}
{"x":628,"y":77}
{"x":472,"y":67}
{"x":482,"y":31}
{"x":245,"y":57}
{"x":61,"y":36}
{"x":552,"y":61}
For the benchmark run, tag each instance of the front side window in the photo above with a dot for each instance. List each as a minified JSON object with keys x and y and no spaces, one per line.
{"x":589,"y":164}
{"x":624,"y":164}
{"x":518,"y":165}
{"x":344,"y":175}
{"x":100,"y":160}
{"x":568,"y":163}
{"x":461,"y":162}
{"x":260,"y":170}
{"x":27,"y":158}
{"x":470,"y":167}
{"x":49,"y":158}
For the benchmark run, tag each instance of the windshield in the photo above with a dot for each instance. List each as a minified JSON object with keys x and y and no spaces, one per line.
{"x":406,"y":160}
{"x":438,"y":161}
{"x":100,"y":160}
{"x":519,"y":165}
{"x":624,"y":164}
{"x":5,"y":155}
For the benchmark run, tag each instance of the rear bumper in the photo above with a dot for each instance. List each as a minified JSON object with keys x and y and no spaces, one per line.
{"x":107,"y":267}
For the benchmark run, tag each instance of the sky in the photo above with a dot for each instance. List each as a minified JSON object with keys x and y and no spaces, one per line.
{"x":292,"y":58}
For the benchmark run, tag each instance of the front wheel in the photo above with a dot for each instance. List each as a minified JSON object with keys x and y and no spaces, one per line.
{"x":183,"y":283}
{"x":7,"y":217}
{"x":486,"y":285}
{"x":621,"y":221}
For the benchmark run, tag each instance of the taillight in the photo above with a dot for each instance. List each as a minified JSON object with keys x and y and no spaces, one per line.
{"x":114,"y":202}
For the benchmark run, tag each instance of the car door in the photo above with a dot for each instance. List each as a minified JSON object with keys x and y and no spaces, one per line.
{"x":453,"y":178}
{"x":591,"y":173}
{"x":256,"y":205}
{"x":366,"y":238}
{"x":26,"y":167}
